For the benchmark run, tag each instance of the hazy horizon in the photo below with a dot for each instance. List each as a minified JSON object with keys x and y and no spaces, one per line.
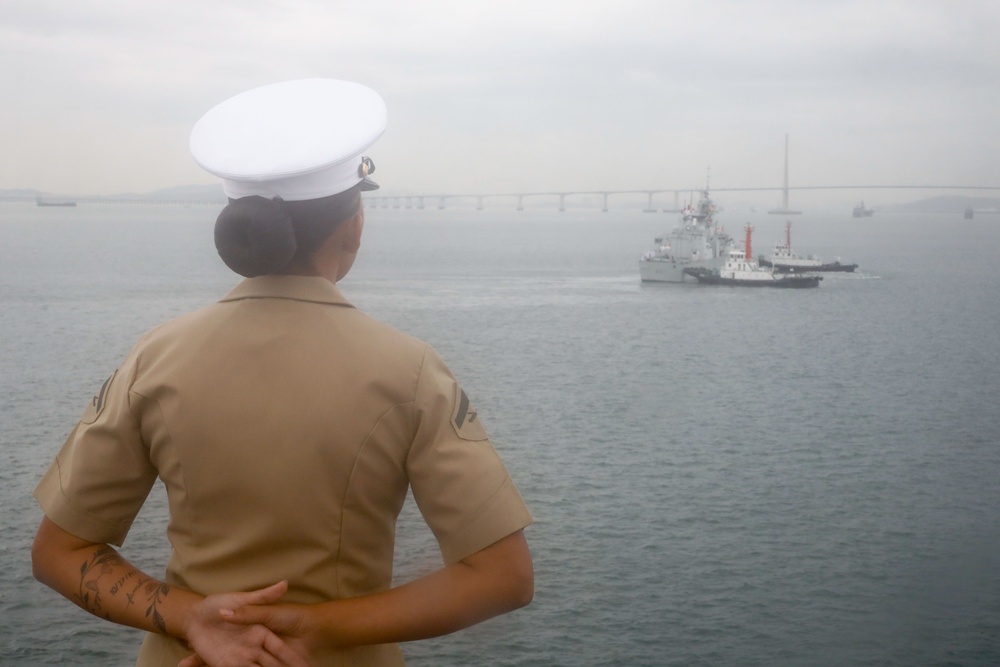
{"x":518,"y":96}
{"x":952,"y":202}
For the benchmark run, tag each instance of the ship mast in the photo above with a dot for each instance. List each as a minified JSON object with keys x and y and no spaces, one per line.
{"x":784,"y":190}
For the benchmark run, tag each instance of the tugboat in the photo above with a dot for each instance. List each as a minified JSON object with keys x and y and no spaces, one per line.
{"x":861,"y":212}
{"x":742,"y":271}
{"x":696,"y":242}
{"x":783,"y":261}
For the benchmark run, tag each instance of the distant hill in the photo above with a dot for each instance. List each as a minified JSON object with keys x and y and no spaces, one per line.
{"x":949,"y":204}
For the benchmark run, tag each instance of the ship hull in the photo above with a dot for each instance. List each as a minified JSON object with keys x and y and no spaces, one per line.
{"x":710,"y":277}
{"x":789,"y":268}
{"x":670,"y":271}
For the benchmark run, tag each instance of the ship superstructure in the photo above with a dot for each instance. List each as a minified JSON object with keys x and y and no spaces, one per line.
{"x":696,"y":241}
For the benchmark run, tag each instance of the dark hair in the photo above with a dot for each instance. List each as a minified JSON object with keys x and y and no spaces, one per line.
{"x":256,"y":236}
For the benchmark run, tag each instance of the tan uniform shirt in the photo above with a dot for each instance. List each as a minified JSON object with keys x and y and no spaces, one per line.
{"x":286,"y":426}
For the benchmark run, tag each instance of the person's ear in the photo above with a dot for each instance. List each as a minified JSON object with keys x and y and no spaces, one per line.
{"x":352,"y":232}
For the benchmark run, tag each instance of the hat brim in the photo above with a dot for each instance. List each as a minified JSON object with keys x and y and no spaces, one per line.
{"x":368,"y":184}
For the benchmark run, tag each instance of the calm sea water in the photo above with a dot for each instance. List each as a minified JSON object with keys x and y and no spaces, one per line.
{"x":719,"y":476}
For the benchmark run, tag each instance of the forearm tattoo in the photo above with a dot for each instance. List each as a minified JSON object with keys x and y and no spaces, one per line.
{"x":106,"y":561}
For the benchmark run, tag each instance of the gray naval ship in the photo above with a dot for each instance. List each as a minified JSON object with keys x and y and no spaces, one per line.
{"x":697,"y":242}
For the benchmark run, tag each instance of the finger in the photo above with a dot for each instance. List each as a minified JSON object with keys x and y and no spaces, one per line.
{"x":284,"y":653}
{"x":193,"y":660}
{"x":275,"y":653}
{"x":267,"y":660}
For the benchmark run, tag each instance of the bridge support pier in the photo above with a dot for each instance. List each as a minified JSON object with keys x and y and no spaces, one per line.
{"x":520,"y":202}
{"x":649,"y":204}
{"x":604,"y":206}
{"x":562,"y":202}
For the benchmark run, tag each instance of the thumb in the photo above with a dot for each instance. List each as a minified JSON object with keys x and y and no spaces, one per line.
{"x":272,"y":593}
{"x":267,"y":595}
{"x":262,"y":596}
{"x":249,"y":615}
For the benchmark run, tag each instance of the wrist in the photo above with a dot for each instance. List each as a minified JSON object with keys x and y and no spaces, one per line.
{"x":182,"y":613}
{"x":326,"y":626}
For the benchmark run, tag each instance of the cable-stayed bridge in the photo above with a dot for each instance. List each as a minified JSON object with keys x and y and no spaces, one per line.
{"x":656,"y":199}
{"x":653,"y":197}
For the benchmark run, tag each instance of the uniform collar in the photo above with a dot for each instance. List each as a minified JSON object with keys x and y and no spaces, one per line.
{"x":299,"y":288}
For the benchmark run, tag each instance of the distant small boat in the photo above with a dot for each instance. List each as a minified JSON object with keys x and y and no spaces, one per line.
{"x":860,"y":211}
{"x":54,"y":201}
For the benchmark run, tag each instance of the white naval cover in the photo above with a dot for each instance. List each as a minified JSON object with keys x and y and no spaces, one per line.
{"x":298,"y":140}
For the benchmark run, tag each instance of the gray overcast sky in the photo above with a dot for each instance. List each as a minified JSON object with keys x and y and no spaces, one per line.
{"x":514,"y":95}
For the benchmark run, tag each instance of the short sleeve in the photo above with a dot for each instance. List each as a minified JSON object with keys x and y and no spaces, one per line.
{"x":100,"y":478}
{"x":459,"y":482}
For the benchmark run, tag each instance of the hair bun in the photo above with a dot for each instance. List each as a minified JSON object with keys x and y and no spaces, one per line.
{"x":254,"y":236}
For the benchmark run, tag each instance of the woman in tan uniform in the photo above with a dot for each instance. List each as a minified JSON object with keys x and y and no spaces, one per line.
{"x":287,"y":427}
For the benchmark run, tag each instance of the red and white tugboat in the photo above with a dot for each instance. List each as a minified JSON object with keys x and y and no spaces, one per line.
{"x":741,"y":270}
{"x":783,"y":261}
